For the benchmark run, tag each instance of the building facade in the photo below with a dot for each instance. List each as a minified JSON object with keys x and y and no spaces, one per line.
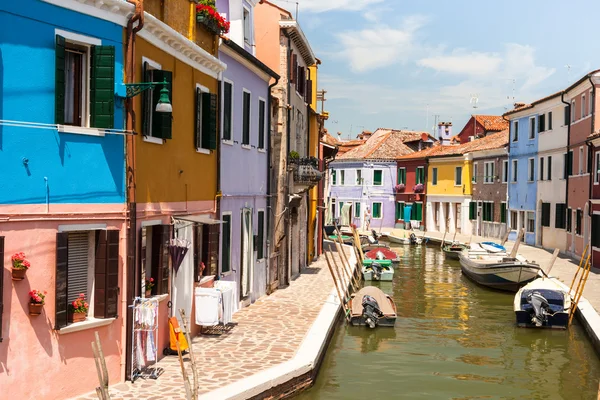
{"x":480,"y":126}
{"x":411,"y":192}
{"x":594,"y":140}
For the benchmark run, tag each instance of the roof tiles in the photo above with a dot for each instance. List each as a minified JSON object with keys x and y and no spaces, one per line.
{"x":492,"y":122}
{"x":384,"y":144}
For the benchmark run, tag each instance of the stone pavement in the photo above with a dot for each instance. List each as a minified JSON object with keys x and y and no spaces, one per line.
{"x":267,"y":333}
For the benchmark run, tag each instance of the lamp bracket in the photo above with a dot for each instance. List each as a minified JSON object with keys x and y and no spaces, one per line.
{"x":133,"y":89}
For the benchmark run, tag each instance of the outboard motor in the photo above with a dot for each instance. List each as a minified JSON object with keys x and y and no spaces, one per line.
{"x":377,"y":269}
{"x":540,"y":308}
{"x":374,"y":233}
{"x":380,"y":256}
{"x":413,"y":238}
{"x":371,"y":311}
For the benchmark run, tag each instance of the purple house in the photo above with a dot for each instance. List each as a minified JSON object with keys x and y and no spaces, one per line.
{"x":244,"y":154}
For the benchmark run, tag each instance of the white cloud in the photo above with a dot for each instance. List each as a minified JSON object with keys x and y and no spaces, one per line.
{"x":318,"y":6}
{"x":461,"y":61}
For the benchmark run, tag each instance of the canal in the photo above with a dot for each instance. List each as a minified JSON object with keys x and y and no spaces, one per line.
{"x":453,"y":340}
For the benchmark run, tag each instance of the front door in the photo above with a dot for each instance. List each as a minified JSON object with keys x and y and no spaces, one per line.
{"x":247,"y":253}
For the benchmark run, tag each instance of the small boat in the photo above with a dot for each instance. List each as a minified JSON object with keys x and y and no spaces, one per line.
{"x":378,"y":270}
{"x":371,"y":307}
{"x":368,"y":247}
{"x":345,"y":239}
{"x":542,"y":303}
{"x":412,"y":239}
{"x":452,"y":250}
{"x":498,"y":272}
{"x":382,"y":253}
{"x":492,"y":247}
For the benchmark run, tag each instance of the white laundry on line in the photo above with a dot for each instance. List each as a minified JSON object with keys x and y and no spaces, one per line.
{"x":208,"y":306}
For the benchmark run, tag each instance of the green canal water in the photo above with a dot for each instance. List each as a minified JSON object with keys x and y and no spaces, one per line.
{"x":453,"y":340}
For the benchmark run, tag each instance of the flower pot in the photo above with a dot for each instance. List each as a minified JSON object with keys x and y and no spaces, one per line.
{"x":77,"y":317}
{"x":18,"y":274}
{"x":148,"y":293}
{"x":35,"y":308}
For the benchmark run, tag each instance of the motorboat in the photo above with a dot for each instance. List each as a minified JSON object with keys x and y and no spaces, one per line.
{"x":492,"y":247}
{"x":481,"y":249}
{"x":498,"y":272}
{"x":542,"y":303}
{"x":349,"y":240}
{"x":378,"y":270}
{"x":371,"y":307}
{"x":452,"y":250}
{"x":412,"y":239}
{"x":382,"y":253}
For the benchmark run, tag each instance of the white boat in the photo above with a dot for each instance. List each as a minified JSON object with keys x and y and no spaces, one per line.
{"x":542,"y":303}
{"x":479,"y":249}
{"x":498,"y":272}
{"x":412,"y":239}
{"x":492,"y":247}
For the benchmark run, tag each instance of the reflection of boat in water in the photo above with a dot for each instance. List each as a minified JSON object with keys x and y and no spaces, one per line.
{"x":371,"y":340}
{"x":542,"y":304}
{"x":371,"y":307}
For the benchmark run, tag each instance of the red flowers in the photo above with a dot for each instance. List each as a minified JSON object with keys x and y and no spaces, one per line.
{"x":37,"y":297}
{"x":79,"y":305}
{"x":19,"y":261}
{"x":211,"y":12}
{"x":149,"y":284}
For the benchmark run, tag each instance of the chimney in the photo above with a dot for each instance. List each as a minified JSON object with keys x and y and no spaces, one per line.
{"x":519,"y":105}
{"x":444,"y":132}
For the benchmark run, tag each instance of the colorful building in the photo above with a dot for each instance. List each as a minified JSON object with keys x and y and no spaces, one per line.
{"x":62,"y":200}
{"x":480,"y":126}
{"x":411,"y":191}
{"x":594,"y":140}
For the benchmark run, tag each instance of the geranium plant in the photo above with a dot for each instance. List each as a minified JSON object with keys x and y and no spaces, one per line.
{"x":37,"y":297}
{"x":400,"y":187}
{"x":206,"y":11}
{"x":19,"y":261}
{"x":418,"y":188}
{"x":79,"y":305}
{"x":149,"y":284}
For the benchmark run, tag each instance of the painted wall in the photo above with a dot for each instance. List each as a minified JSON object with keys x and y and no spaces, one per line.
{"x":446,"y":170}
{"x":495,"y":192}
{"x":158,"y":165}
{"x":27,"y":93}
{"x":408,"y":194}
{"x":267,"y":34}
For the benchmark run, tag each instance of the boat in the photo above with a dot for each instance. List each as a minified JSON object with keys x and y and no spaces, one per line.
{"x":498,"y":272}
{"x":382,"y":253}
{"x":492,"y":247}
{"x":542,"y":303}
{"x":345,"y":239}
{"x":368,"y":247}
{"x":452,"y":250}
{"x":378,"y":270}
{"x":412,"y":239}
{"x":371,"y":307}
{"x":479,"y":249}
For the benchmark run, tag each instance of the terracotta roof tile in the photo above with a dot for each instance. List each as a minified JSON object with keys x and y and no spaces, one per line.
{"x":492,"y":122}
{"x":384,"y":144}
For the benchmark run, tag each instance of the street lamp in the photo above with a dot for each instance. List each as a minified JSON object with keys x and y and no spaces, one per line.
{"x":164,"y":105}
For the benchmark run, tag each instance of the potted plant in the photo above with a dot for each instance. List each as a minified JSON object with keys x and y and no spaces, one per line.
{"x":37,"y":299}
{"x":20,"y":265}
{"x":400,"y":187}
{"x":78,"y":309}
{"x":207,"y":14}
{"x":148,"y":286}
{"x":418,"y":188}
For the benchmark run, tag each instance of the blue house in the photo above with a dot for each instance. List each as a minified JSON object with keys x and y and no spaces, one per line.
{"x":62,"y":192}
{"x":523,"y":165}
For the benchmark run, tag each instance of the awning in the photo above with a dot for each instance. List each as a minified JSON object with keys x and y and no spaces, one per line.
{"x":201,"y":219}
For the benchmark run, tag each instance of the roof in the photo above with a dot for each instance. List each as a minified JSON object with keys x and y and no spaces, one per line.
{"x":523,"y":106}
{"x":493,"y":123}
{"x":330,"y":140}
{"x":383,"y":145}
{"x":409,"y":136}
{"x":295,"y":32}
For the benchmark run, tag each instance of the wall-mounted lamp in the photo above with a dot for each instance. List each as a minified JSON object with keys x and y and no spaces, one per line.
{"x":164,"y":105}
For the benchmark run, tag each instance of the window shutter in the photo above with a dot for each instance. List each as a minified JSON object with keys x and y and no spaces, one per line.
{"x":309,"y":92}
{"x":291,"y":66}
{"x":295,"y":70}
{"x":100,"y":280}
{"x":261,"y":234}
{"x":261,"y":124}
{"x":226,"y":245}
{"x":546,"y":214}
{"x":209,"y":121}
{"x":147,"y":109}
{"x":78,"y":260}
{"x":419,"y":211}
{"x":472,"y":210}
{"x":1,"y":282}
{"x":102,"y":87}
{"x":62,"y":262}
{"x":59,"y":81}
{"x":503,"y":212}
{"x":106,"y":268}
{"x":596,"y":230}
{"x":567,"y":115}
{"x":227,"y":111}
{"x":198,"y":129}
{"x":161,"y":122}
{"x":163,"y":258}
{"x":542,"y":123}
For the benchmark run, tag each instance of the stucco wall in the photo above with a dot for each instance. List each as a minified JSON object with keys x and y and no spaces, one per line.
{"x":266,"y":32}
{"x":446,"y":171}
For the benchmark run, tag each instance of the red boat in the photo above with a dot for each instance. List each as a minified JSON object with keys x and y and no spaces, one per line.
{"x":387,"y":254}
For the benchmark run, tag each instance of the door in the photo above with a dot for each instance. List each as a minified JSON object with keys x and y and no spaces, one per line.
{"x":182,"y":281}
{"x":247,"y":253}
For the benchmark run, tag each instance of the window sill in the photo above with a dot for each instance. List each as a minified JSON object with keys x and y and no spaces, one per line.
{"x":246,"y":146}
{"x":81,"y":130}
{"x":227,"y":142}
{"x":202,"y":151}
{"x":262,"y":150}
{"x":154,"y":140}
{"x":87,"y":324}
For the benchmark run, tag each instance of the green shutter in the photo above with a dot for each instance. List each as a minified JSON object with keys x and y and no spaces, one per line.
{"x":357,"y":210}
{"x":209,"y":121}
{"x":261,"y":124}
{"x":377,"y":178}
{"x":225,"y":244}
{"x":198,"y":120}
{"x":60,"y":280}
{"x":419,"y":211}
{"x":376,"y":210}
{"x":102,"y":87}
{"x":503,"y":212}
{"x":334,"y":177}
{"x":398,"y":214}
{"x":59,"y":81}
{"x":162,"y":122}
{"x":472,"y":210}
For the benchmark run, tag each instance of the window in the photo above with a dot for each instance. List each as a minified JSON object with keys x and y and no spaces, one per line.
{"x":568,"y":166}
{"x":566,"y":116}
{"x":546,"y":214}
{"x":458,"y":176}
{"x":488,"y":212}
{"x":514,"y":218}
{"x":359,"y":177}
{"x":246,"y":118}
{"x":560,"y":218}
{"x":84,"y":84}
{"x":581,"y":163}
{"x":550,"y":121}
{"x":378,"y":177}
{"x":542,"y":168}
{"x":542,"y":122}
{"x":416,"y":212}
{"x":206,"y":119}
{"x":333,"y":208}
{"x":356,"y":210}
{"x":247,"y":27}
{"x":226,"y":243}
{"x":341,"y":208}
{"x":515,"y":170}
{"x":434,"y":177}
{"x":531,"y":128}
{"x":531,"y":170}
{"x":504,"y":171}
{"x":377,"y":210}
{"x":473,"y":210}
{"x":583,"y":106}
{"x":158,"y":124}
{"x":261,"y":123}
{"x":596,"y":230}
{"x":77,"y":254}
{"x":474,"y":177}
{"x":342,"y":177}
{"x":227,"y":110}
{"x":333,"y":177}
{"x":530,"y":222}
{"x":573,"y":111}
{"x":569,"y":219}
{"x":597,"y":169}
{"x":578,"y":219}
{"x":549,"y":176}
{"x":401,"y":176}
{"x":515,"y":131}
{"x":206,"y":250}
{"x":591,"y":109}
{"x":490,"y":174}
{"x":400,"y":211}
{"x":420,"y":177}
{"x":503,"y":212}
{"x":260,"y":237}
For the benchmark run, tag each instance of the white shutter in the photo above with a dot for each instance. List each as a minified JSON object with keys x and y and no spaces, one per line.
{"x":77,"y":276}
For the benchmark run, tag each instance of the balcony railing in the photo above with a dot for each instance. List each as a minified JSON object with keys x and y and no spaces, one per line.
{"x":306,"y":171}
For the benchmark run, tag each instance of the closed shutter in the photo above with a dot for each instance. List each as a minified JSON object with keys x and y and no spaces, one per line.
{"x":291,"y":67}
{"x":198,"y":126}
{"x":59,"y":81}
{"x":227,"y":115}
{"x":560,"y":216}
{"x":569,"y":220}
{"x":106,"y":274}
{"x":61,"y":298}
{"x":1,"y":282}
{"x":398,"y":214}
{"x":261,"y":235}
{"x":309,"y":91}
{"x":569,"y":163}
{"x":209,"y":121}
{"x":100,"y":275}
{"x":102,"y":87}
{"x":472,"y":210}
{"x":295,"y":70}
{"x":578,"y":222}
{"x":567,"y":114}
{"x":542,"y":123}
{"x":161,"y":121}
{"x":78,"y":263}
{"x":419,"y":213}
{"x":503,"y":213}
{"x":546,"y":214}
{"x":246,"y":118}
{"x":261,"y":124}
{"x":492,"y":212}
{"x":596,"y":230}
{"x":226,"y":244}
{"x":147,"y":109}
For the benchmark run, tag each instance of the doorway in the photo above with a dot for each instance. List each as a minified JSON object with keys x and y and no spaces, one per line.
{"x":246,"y":254}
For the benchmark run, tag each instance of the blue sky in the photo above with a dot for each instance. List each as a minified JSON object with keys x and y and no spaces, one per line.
{"x":385,"y":61}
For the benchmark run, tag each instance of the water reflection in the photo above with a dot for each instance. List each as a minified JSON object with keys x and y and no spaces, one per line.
{"x":454,"y":340}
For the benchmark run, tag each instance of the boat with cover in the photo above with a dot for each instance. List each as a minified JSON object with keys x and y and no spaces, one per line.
{"x":452,"y":250}
{"x":377,"y":270}
{"x":371,"y":307}
{"x":382,"y":253}
{"x":542,"y":303}
{"x":498,"y":271}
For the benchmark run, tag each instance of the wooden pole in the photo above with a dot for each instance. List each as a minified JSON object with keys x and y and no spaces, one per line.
{"x":347,"y":268}
{"x":186,"y":332}
{"x":342,"y":298}
{"x":102,"y":390}
{"x":552,"y":261}
{"x":444,"y":239}
{"x":186,"y":380}
{"x":579,"y":267}
{"x":580,"y":287}
{"x":515,"y":249}
{"x":505,"y":239}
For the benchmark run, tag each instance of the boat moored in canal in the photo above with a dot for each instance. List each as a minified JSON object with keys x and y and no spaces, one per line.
{"x":371,"y":307}
{"x":542,"y":303}
{"x":377,"y":270}
{"x":452,"y":251}
{"x":498,"y":272}
{"x":412,"y":239}
{"x":382,"y":253}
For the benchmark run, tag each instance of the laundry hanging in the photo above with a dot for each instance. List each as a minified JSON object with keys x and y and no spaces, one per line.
{"x":178,"y":248}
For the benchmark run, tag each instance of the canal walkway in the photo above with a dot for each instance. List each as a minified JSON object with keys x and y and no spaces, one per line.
{"x":277,"y":341}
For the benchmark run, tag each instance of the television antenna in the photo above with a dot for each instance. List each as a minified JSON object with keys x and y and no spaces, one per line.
{"x":568,"y":67}
{"x":474,"y":100}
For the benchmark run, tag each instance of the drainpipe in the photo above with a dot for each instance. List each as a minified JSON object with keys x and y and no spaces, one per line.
{"x":269,"y":193}
{"x":132,"y":277}
{"x":287,"y":186}
{"x":562,"y":99}
{"x":589,"y":148}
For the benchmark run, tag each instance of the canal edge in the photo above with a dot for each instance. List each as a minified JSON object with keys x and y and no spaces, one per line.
{"x":298,"y":374}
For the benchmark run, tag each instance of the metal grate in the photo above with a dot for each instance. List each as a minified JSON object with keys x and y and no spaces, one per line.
{"x":77,"y":277}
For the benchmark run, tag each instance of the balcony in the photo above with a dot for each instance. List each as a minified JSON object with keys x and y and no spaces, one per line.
{"x":306,"y":173}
